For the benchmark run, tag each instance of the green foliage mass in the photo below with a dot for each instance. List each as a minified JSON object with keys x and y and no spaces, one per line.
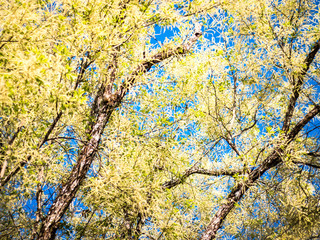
{"x":220,"y":106}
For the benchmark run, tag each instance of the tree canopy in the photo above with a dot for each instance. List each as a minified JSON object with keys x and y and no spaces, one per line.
{"x":150,"y":119}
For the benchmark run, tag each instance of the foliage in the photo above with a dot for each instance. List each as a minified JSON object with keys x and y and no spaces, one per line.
{"x":144,"y":130}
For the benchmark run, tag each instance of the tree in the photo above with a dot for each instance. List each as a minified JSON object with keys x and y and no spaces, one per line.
{"x":109,"y":133}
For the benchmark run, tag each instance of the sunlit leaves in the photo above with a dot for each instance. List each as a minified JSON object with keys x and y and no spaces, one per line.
{"x":219,"y":106}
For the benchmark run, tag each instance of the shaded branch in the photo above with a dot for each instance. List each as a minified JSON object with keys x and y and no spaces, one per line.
{"x":15,"y":135}
{"x":293,"y":133}
{"x":5,"y":162}
{"x":313,"y":165}
{"x":87,"y":224}
{"x":6,"y":41}
{"x":54,"y":123}
{"x":313,"y":154}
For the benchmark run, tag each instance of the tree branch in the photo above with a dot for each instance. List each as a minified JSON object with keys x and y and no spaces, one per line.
{"x":5,"y":162}
{"x":293,"y":133}
{"x":15,"y":135}
{"x":313,"y":165}
{"x":297,"y":86}
{"x":54,"y":123}
{"x":151,"y":61}
{"x":196,"y":170}
{"x":39,"y":204}
{"x":85,"y":227}
{"x":313,"y":154}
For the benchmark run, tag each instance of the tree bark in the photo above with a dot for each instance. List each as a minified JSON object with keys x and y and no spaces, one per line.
{"x":79,"y":171}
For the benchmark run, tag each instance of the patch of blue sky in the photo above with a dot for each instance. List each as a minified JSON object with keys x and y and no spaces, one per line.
{"x":162,"y":35}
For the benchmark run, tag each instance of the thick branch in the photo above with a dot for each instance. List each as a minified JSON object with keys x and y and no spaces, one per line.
{"x":39,"y":204}
{"x":313,"y":154}
{"x":313,"y":165}
{"x":196,"y":170}
{"x":151,"y":61}
{"x":236,"y":194}
{"x":293,"y":133}
{"x":297,"y":86}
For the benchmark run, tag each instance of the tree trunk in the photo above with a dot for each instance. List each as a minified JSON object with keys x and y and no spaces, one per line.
{"x":79,"y":171}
